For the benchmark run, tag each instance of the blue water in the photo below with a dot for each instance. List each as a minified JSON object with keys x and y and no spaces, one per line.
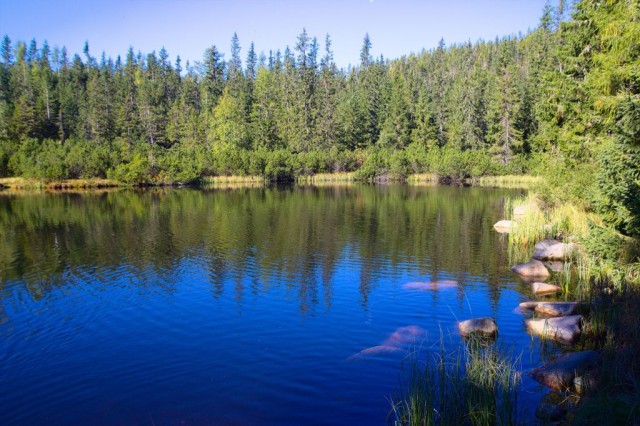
{"x":239,"y":307}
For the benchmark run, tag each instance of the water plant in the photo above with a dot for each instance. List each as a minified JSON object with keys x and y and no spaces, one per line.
{"x":475,"y":384}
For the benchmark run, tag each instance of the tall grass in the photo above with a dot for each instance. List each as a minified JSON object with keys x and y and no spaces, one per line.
{"x":508,"y":181}
{"x":475,"y":385}
{"x":18,"y":183}
{"x":540,"y":221}
{"x":213,"y":180}
{"x":319,"y":178}
{"x":423,"y":178}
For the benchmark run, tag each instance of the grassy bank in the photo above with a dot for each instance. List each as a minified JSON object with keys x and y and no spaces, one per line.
{"x":326,"y":178}
{"x":24,"y":184}
{"x":508,"y":181}
{"x":18,"y":183}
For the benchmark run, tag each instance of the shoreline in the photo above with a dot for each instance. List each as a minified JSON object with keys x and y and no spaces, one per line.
{"x":19,"y":184}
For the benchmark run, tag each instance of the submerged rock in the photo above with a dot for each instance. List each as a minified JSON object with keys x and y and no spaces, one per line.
{"x":402,"y":339}
{"x":505,"y":226}
{"x":430,"y":285}
{"x":533,"y":268}
{"x":402,"y":335}
{"x":565,"y":330}
{"x":553,"y":250}
{"x":560,"y":373}
{"x":539,"y":288}
{"x":556,"y":309}
{"x":482,"y":327}
{"x":375,"y":350}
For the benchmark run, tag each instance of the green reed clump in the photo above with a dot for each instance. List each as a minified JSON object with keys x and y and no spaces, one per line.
{"x":319,"y":178}
{"x":508,"y":181}
{"x":475,"y":385}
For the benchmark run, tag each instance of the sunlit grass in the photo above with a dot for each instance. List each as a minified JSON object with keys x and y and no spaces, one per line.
{"x":423,"y":178}
{"x":18,"y":183}
{"x":319,"y":178}
{"x":508,"y":181}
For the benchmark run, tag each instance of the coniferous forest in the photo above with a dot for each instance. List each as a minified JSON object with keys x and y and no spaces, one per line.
{"x":561,"y":101}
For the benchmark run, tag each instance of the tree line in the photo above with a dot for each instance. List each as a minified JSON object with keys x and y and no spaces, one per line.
{"x":561,"y":100}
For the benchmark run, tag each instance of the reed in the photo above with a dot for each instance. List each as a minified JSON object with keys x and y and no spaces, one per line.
{"x":508,"y":181}
{"x":318,"y":178}
{"x":18,"y":183}
{"x":474,"y":385}
{"x":212,"y":180}
{"x":422,"y":178}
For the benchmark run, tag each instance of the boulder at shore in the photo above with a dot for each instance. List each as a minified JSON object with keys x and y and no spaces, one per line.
{"x":529,"y":306}
{"x":559,"y":374}
{"x":544,"y":288}
{"x":553,"y":250}
{"x":505,"y":226}
{"x":565,"y":330}
{"x":522,"y":210}
{"x":556,"y":309}
{"x":534,"y":268}
{"x":483,"y":327}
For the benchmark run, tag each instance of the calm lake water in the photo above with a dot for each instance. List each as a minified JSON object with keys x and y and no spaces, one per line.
{"x":241,"y":306}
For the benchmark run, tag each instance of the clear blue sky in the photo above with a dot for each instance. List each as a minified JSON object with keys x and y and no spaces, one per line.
{"x":188,"y":27}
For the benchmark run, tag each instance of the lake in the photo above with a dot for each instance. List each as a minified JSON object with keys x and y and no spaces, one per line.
{"x":244,"y":306}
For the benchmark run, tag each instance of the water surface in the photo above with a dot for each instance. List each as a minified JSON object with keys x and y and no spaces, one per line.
{"x":239,"y":307}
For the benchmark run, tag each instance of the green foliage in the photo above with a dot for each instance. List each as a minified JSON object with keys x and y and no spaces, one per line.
{"x":85,"y":159}
{"x":454,"y":164}
{"x":619,"y":172}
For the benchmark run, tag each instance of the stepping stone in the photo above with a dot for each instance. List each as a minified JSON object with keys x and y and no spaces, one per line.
{"x":522,"y":210}
{"x":565,"y":330}
{"x":554,"y":265}
{"x":534,"y":268}
{"x":544,"y":244}
{"x":560,"y":373}
{"x":484,"y":327}
{"x":544,"y":288}
{"x":505,"y":226}
{"x":553,"y":250}
{"x":529,"y":306}
{"x":556,"y":309}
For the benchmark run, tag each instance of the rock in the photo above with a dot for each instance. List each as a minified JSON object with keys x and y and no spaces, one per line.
{"x":556,"y":309}
{"x":550,"y":412}
{"x":554,"y":265}
{"x":484,"y":327}
{"x":410,"y":334}
{"x":374,"y":351}
{"x":430,"y":285}
{"x":521,"y":210}
{"x":534,"y":268}
{"x":505,"y":226}
{"x":529,"y":306}
{"x":560,"y":373}
{"x":544,"y":288}
{"x":545,"y":244}
{"x":565,"y":330}
{"x":585,"y":383}
{"x":558,"y":251}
